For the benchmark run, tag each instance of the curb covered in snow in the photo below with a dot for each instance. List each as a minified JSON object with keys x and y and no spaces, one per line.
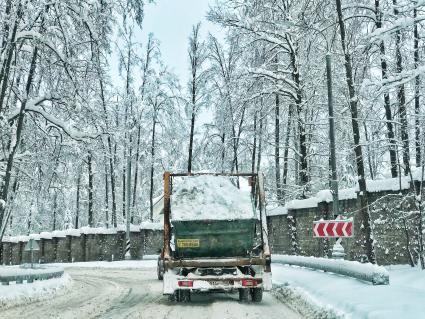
{"x":377,"y":275}
{"x":20,"y":274}
{"x":15,"y":295}
{"x":302,"y":302}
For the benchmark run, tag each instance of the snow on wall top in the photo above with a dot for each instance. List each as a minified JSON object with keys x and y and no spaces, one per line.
{"x":210,"y":197}
{"x":373,"y":186}
{"x":83,"y":230}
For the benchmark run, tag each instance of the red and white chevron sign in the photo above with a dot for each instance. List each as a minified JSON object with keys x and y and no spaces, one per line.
{"x":333,"y":228}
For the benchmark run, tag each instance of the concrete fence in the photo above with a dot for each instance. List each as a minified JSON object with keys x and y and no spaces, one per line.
{"x":290,"y":231}
{"x":61,"y":248}
{"x":393,"y":218}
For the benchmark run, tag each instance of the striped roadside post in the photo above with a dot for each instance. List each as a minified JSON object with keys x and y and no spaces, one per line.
{"x":127,"y":255}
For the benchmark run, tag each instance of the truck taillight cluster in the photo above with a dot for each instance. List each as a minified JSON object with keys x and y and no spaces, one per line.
{"x":185,"y":283}
{"x":249,"y":283}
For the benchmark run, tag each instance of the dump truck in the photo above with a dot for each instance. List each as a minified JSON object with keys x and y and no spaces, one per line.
{"x":215,"y":237}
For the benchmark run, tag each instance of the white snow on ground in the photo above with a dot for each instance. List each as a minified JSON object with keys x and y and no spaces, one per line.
{"x":210,"y":197}
{"x":16,"y":294}
{"x":120,"y":264}
{"x":402,"y":298}
{"x":137,"y":293}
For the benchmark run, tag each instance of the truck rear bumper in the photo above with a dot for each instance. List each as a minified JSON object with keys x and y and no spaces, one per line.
{"x":174,"y":282}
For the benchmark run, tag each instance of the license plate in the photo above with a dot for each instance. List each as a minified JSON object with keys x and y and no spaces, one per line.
{"x":221,"y":283}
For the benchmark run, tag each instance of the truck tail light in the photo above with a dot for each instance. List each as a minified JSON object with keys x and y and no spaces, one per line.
{"x":185,"y":283}
{"x":249,"y":283}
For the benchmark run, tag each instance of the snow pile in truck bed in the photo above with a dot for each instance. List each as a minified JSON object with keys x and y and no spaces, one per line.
{"x":209,"y":197}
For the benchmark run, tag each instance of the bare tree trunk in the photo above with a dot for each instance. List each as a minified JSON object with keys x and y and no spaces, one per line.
{"x":149,"y":52}
{"x":90,"y":190}
{"x":19,"y":129}
{"x":106,"y":194}
{"x":363,"y":196}
{"x":303,"y":172}
{"x":196,"y":60}
{"x":369,"y":158}
{"x":192,"y":132}
{"x":55,"y":211}
{"x":254,"y":144}
{"x":152,"y":169}
{"x":223,"y":150}
{"x":136,"y":170}
{"x":260,"y":141}
{"x":113,"y":188}
{"x":277,"y":150}
{"x":77,"y":213}
{"x":29,"y":220}
{"x":286,"y":150}
{"x":5,"y":68}
{"x":417,"y":93}
{"x":401,"y":98}
{"x":387,"y":102}
{"x":6,"y":28}
{"x":409,"y":251}
{"x":123,"y":182}
{"x":110,"y":154}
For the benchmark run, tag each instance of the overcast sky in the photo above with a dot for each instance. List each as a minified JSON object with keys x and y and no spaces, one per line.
{"x":171,"y":22}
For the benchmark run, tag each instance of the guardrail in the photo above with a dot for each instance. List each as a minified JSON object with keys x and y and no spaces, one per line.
{"x":377,"y":275}
{"x":29,"y":275}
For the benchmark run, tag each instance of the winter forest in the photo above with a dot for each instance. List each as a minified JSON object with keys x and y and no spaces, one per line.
{"x":80,"y":146}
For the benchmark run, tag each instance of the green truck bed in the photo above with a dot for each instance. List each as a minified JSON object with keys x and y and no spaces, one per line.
{"x":213,"y":238}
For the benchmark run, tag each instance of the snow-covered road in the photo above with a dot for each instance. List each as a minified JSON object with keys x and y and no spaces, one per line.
{"x":136,"y":293}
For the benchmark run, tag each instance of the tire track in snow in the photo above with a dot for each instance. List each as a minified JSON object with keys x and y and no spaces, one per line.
{"x":115,"y":293}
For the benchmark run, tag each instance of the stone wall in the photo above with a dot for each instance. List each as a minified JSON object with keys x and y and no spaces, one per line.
{"x":85,"y":247}
{"x":386,"y":209}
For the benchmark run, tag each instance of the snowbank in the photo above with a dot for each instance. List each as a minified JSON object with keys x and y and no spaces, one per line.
{"x":304,"y":303}
{"x":210,"y":197}
{"x":120,"y":264}
{"x":378,"y":275}
{"x":13,"y":295}
{"x":6,"y":271}
{"x":403,"y":298}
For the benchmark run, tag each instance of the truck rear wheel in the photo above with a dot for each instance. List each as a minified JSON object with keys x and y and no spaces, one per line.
{"x":257,"y":294}
{"x":243,"y":294}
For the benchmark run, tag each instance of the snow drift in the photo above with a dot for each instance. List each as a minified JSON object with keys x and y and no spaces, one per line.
{"x":378,"y":275}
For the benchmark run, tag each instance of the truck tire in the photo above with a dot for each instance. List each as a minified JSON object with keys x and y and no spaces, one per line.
{"x":182,"y":295}
{"x":257,"y":294}
{"x":243,"y":295}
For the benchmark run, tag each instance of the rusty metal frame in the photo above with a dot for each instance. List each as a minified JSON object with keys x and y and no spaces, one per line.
{"x":221,"y":262}
{"x":213,"y":174}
